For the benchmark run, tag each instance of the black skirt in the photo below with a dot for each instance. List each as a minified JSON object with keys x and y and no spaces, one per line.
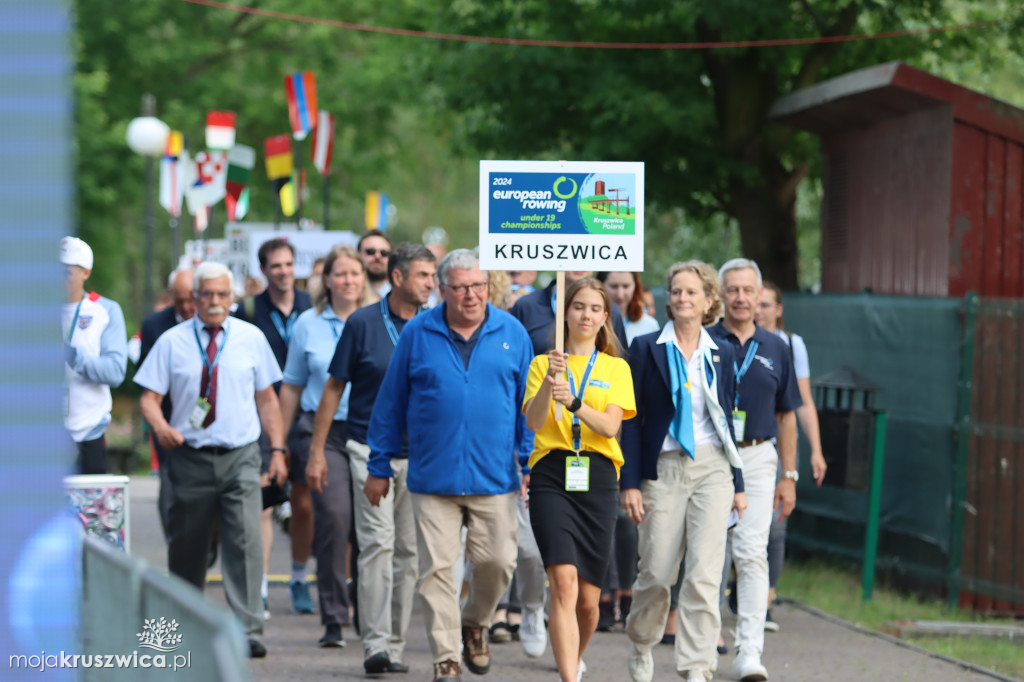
{"x":574,"y":527}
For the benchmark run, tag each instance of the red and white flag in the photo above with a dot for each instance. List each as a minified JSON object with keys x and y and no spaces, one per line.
{"x":220,"y":130}
{"x":323,"y":142}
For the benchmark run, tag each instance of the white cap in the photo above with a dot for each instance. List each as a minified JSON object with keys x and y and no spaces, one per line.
{"x":73,"y":251}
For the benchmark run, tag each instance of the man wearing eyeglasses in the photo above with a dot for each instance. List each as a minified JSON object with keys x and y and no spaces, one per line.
{"x":219,"y":373}
{"x":374,"y":249}
{"x":456,"y":382}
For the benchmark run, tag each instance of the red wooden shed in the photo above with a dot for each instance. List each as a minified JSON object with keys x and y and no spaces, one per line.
{"x":924,"y":196}
{"x":924,"y":183}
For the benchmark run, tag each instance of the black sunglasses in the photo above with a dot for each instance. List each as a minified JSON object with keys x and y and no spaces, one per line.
{"x":374,"y":252}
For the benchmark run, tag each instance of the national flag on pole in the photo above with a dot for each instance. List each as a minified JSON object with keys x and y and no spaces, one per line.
{"x":237,"y":209}
{"x":241,"y":160}
{"x":172,"y":174}
{"x":323,"y":142}
{"x":212,"y":169}
{"x":300,"y":89}
{"x":202,"y":219}
{"x":288,"y":198}
{"x":376,"y":211}
{"x":194,"y":193}
{"x":220,"y":130}
{"x":278,"y":157}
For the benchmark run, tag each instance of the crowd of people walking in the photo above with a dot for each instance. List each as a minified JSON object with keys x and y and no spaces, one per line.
{"x":431,"y":436}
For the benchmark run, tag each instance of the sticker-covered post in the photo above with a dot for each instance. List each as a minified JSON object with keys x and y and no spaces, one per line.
{"x":561,"y":216}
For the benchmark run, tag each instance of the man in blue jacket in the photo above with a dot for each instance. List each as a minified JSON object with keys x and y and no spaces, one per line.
{"x":456,"y":382}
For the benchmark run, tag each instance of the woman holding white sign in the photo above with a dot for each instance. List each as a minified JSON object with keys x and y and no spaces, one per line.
{"x":574,"y":466}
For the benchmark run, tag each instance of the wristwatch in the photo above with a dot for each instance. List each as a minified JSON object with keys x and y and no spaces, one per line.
{"x":575,"y":405}
{"x":793,"y":475}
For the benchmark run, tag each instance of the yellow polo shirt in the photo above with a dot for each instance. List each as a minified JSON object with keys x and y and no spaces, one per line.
{"x":610,"y":383}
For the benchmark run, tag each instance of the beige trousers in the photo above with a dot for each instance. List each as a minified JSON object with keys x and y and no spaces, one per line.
{"x":387,"y":557}
{"x":491,"y":547}
{"x":686,"y":510}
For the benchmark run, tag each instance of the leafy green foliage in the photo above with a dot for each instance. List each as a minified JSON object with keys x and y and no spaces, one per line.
{"x":415,"y":115}
{"x":698,"y":119}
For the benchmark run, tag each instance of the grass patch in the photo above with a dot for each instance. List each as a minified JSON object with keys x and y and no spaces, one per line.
{"x":835,"y":589}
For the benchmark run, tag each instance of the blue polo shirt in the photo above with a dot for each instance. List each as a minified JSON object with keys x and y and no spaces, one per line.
{"x":310,"y":351}
{"x":769,"y":384}
{"x":361,"y":360}
{"x":275,"y":326}
{"x":534,"y":311}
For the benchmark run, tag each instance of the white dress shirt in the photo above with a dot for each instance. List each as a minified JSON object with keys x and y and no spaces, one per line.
{"x":246,"y":365}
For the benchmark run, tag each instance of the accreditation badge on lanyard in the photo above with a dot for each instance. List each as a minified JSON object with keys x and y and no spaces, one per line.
{"x":577,"y":467}
{"x":202,"y":406}
{"x":739,"y":417}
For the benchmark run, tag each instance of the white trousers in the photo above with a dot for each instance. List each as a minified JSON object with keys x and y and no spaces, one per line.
{"x":749,"y":542}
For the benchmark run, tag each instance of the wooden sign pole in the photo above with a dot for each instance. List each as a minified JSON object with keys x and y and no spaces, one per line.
{"x":559,"y":325}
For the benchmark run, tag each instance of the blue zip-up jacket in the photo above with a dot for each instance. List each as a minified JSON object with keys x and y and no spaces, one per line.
{"x":463,"y":424}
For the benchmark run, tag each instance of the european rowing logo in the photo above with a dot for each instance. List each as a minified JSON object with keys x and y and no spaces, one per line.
{"x":159,"y":635}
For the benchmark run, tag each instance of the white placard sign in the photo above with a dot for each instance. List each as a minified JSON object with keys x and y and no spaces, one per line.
{"x":562,"y":215}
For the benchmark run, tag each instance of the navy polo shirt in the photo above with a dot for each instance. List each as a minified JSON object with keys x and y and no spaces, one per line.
{"x":263,"y":313}
{"x":466,"y":346}
{"x":361,"y":360}
{"x":534,"y":311}
{"x":769,"y":385}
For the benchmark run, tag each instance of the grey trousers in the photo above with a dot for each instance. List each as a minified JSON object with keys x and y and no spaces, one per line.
{"x":209,"y":488}
{"x":332,"y":520}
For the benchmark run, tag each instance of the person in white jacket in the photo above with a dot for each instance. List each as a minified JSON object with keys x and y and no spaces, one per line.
{"x":95,"y":358}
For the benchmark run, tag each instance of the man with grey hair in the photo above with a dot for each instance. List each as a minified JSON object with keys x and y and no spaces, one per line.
{"x":219,"y":401}
{"x":456,"y":381}
{"x":386,"y":576}
{"x":763,"y":417}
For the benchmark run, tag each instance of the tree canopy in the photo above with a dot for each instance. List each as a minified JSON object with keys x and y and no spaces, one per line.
{"x":697,"y":118}
{"x":414,"y":115}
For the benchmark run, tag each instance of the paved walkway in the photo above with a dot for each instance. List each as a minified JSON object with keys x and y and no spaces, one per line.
{"x":807,"y":648}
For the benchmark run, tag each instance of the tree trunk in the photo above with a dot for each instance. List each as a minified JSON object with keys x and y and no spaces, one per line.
{"x":767,"y":218}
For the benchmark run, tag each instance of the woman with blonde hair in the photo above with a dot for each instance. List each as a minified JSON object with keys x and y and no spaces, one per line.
{"x":345,"y":289}
{"x":574,"y":467}
{"x":682,"y":474}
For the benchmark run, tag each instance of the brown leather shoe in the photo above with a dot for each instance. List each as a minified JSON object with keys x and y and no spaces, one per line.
{"x":447,"y":671}
{"x":475,"y":652}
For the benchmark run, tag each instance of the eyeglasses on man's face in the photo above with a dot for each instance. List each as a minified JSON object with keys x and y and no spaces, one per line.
{"x":461,"y":290}
{"x":373,"y":252}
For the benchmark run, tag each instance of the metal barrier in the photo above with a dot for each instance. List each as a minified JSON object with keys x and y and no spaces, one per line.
{"x":131,"y":611}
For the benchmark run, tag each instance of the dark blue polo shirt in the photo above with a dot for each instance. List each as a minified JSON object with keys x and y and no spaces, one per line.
{"x":466,"y":346}
{"x":534,"y":311}
{"x":769,"y":385}
{"x":264,"y":313}
{"x":361,"y":360}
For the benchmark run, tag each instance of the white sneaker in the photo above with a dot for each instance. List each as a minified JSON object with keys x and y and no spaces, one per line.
{"x":532,"y":633}
{"x":580,"y":669}
{"x":641,"y":664}
{"x":747,"y":667}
